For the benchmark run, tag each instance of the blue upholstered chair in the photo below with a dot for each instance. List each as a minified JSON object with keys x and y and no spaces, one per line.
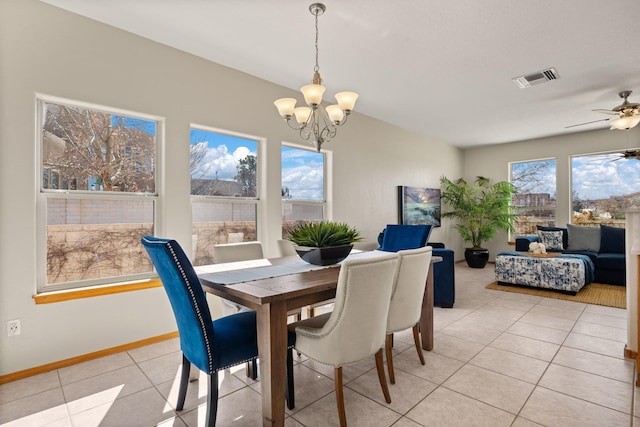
{"x":444,"y":276}
{"x":399,"y":237}
{"x":209,"y":345}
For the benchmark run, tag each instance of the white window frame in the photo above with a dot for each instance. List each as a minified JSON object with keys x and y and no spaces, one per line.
{"x":261,"y":178}
{"x":510,"y":166}
{"x":42,"y":195}
{"x":570,"y":166}
{"x":327,"y":167}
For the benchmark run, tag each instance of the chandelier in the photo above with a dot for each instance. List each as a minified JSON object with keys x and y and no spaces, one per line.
{"x":315,"y":123}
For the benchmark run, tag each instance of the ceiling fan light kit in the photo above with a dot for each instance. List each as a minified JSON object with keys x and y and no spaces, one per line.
{"x":628,"y":113}
{"x":315,"y":123}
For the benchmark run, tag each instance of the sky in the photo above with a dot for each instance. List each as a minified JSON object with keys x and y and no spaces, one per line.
{"x":600,"y":176}
{"x":223,"y":153}
{"x":303,"y":173}
{"x":302,"y":170}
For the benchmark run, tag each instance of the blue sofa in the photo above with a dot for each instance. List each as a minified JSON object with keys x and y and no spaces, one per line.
{"x":604,"y":245}
{"x":444,"y":283}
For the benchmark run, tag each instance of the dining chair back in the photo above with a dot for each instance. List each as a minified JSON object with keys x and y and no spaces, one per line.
{"x":356,"y":327}
{"x":209,"y":345}
{"x":286,"y":248}
{"x":241,"y":251}
{"x":406,"y":299}
{"x":396,"y":237}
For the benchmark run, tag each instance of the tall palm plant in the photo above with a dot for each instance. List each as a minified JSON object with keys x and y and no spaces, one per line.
{"x":481,"y":208}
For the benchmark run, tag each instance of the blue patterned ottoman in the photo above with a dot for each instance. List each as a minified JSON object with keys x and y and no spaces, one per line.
{"x":559,"y":273}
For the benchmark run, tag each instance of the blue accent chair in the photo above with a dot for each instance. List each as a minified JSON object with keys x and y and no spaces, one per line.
{"x":444,"y":276}
{"x":400,"y":237}
{"x":209,"y":345}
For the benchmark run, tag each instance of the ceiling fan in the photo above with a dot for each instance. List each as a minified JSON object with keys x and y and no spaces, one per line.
{"x":629,"y":154}
{"x":628,"y":114}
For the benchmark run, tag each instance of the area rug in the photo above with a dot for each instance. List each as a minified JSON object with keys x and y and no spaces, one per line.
{"x":595,"y":293}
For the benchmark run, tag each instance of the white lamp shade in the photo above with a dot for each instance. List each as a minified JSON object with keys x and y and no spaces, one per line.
{"x":285,"y":106}
{"x":346,"y":100}
{"x":302,"y":114}
{"x":335,"y":113}
{"x":312,"y":94}
{"x":624,"y":123}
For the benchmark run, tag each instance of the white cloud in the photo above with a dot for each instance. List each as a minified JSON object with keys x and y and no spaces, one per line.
{"x":304,"y":182}
{"x":600,"y":177}
{"x":219,"y":160}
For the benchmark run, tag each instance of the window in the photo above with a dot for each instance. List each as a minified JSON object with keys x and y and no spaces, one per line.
{"x":535,"y":202}
{"x":224,"y":190}
{"x":97,"y":194}
{"x":303,"y":187}
{"x":603,"y":186}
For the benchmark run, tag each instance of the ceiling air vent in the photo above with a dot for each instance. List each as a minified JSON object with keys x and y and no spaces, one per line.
{"x":536,"y":78}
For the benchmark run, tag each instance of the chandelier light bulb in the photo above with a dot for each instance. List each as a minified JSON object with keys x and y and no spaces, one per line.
{"x":346,"y":100}
{"x":285,"y":106}
{"x":312,"y":94}
{"x":302,"y":115}
{"x":335,"y":113}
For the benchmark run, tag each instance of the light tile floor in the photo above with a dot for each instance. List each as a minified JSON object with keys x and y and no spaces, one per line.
{"x":499,"y":359}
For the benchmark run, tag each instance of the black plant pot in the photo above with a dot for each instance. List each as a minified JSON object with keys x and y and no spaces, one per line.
{"x":476,"y":257}
{"x":323,"y":256}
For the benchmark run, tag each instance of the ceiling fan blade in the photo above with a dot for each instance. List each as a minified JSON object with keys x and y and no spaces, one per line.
{"x":587,"y":123}
{"x":614,"y":113}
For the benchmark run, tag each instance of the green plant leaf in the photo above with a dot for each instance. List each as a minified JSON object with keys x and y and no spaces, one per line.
{"x":480,"y":208}
{"x":324,"y":234}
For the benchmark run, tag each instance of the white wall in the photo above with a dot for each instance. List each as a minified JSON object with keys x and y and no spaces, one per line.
{"x":493,"y":162}
{"x":46,"y":50}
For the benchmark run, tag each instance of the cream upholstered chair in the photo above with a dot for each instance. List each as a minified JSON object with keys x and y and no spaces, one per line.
{"x":339,"y":338}
{"x":241,"y":251}
{"x":406,"y":300}
{"x":232,"y":252}
{"x":286,"y":248}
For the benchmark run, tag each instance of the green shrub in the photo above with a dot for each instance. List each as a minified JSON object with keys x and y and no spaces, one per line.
{"x":324,"y":234}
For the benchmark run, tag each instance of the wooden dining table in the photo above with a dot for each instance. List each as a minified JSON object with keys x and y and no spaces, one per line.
{"x":272,"y":298}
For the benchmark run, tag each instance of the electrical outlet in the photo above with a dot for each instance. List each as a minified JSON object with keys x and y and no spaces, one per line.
{"x":13,"y":327}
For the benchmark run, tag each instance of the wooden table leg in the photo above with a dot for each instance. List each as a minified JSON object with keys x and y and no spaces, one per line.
{"x":426,"y":318}
{"x":272,"y":348}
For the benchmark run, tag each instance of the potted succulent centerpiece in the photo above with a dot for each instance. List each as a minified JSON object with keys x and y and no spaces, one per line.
{"x":481,"y":208}
{"x":324,"y":243}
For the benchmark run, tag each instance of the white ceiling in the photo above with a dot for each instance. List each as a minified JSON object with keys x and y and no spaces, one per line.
{"x":439,"y":68}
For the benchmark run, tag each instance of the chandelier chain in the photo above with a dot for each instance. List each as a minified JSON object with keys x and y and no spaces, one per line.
{"x":317,"y":67}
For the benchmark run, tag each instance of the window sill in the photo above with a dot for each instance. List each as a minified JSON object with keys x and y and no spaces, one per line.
{"x":59,"y":296}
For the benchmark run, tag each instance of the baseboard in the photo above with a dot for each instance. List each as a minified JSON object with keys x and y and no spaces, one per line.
{"x":84,"y":358}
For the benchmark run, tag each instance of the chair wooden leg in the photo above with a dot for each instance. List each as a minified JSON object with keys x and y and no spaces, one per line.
{"x":337,"y":373}
{"x":388,"y":346}
{"x":184,"y":382}
{"x":212,"y":400}
{"x":290,"y":389}
{"x":252,"y":369}
{"x":382,"y":377}
{"x":416,"y":340}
